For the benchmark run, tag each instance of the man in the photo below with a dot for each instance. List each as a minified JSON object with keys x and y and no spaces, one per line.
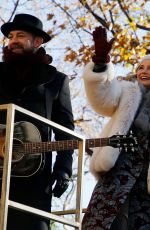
{"x":27,"y":80}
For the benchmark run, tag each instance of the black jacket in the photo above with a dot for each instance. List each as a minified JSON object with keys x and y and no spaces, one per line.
{"x":30,"y":92}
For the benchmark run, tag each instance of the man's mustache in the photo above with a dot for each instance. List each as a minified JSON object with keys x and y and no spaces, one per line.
{"x":16,"y":46}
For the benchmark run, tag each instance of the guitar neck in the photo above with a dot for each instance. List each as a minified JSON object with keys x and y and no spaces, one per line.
{"x":38,"y":147}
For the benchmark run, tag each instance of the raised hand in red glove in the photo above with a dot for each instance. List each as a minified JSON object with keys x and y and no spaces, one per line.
{"x":102,"y":46}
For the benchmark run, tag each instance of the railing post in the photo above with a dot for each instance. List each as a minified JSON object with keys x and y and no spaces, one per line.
{"x":7,"y":167}
{"x":80,"y":181}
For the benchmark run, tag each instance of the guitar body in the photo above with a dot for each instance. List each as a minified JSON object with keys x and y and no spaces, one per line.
{"x":29,"y":163}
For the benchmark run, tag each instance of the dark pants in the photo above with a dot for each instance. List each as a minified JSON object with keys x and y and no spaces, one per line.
{"x":18,"y":220}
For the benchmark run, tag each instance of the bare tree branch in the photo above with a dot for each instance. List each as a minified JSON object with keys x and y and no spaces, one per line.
{"x":130,"y":19}
{"x":70,"y":17}
{"x":14,"y":10}
{"x":102,"y":21}
{"x":111,"y":16}
{"x":99,"y":19}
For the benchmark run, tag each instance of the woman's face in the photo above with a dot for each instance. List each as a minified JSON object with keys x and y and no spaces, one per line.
{"x":143,"y":73}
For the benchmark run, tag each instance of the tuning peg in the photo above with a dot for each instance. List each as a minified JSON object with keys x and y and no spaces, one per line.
{"x":131,"y":133}
{"x":136,"y":140}
{"x":132,"y":149}
{"x":118,"y":133}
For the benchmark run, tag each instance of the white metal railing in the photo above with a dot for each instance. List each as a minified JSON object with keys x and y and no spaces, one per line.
{"x":5,"y":202}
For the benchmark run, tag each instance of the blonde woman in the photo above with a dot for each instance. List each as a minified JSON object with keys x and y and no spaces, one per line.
{"x":121,"y":198}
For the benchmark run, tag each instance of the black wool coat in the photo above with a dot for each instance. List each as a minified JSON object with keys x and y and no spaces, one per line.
{"x":27,"y":87}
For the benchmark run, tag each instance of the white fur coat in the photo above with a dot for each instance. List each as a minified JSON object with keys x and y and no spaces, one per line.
{"x":117,"y":99}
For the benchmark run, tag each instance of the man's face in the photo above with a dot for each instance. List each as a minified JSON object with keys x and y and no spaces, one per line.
{"x":21,"y":41}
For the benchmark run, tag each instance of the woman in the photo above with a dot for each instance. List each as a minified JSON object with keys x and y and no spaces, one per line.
{"x":121,"y":198}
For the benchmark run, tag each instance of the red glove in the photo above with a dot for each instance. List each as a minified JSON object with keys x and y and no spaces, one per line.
{"x":102,"y":46}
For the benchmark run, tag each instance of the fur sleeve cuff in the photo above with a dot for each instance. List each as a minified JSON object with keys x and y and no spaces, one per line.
{"x":107,"y":75}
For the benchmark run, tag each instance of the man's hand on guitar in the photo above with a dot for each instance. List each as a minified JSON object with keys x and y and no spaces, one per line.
{"x":60,"y":180}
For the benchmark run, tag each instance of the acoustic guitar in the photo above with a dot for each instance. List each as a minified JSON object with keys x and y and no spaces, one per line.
{"x":28,"y":154}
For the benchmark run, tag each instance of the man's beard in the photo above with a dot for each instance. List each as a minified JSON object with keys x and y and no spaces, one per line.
{"x":29,"y":57}
{"x":21,"y":58}
{"x":21,"y":66}
{"x":20,"y":48}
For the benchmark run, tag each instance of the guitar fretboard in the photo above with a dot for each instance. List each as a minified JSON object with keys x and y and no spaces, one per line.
{"x":38,"y":147}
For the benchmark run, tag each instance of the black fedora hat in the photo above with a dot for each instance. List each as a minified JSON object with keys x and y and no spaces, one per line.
{"x":28,"y":23}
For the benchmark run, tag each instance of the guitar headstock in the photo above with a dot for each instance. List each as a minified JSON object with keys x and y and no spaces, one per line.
{"x":126,"y":142}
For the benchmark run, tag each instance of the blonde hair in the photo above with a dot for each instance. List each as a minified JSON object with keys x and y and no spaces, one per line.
{"x":129,"y":77}
{"x":132,"y":76}
{"x":146,"y":57}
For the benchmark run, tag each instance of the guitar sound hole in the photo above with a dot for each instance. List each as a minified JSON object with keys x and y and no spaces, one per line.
{"x":17,"y":154}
